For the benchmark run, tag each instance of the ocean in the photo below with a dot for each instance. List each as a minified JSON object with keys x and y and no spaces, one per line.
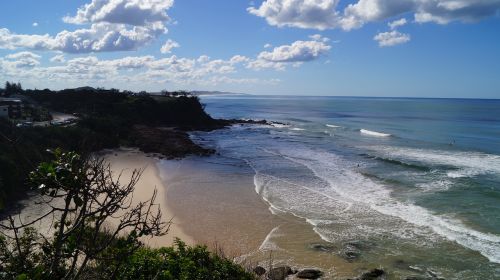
{"x":412,"y":185}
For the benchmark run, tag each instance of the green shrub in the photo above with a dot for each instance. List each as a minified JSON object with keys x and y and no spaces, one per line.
{"x":180,"y":262}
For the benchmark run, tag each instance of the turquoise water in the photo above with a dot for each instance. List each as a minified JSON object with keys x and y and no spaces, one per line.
{"x":418,"y":177}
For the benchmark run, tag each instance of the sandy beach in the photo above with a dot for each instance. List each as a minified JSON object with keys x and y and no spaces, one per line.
{"x":126,"y":160}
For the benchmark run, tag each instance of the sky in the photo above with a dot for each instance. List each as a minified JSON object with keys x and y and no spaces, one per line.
{"x":407,"y":48}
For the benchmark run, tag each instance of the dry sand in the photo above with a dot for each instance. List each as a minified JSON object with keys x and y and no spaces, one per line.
{"x":126,"y":160}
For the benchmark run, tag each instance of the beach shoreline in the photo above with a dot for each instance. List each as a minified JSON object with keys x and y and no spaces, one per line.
{"x":124,"y":161}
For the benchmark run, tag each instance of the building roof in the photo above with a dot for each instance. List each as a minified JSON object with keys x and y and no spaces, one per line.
{"x":10,"y":100}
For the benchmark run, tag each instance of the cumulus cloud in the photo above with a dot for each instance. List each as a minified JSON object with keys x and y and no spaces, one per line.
{"x":100,"y":37}
{"x":35,"y":24}
{"x":318,"y":14}
{"x":397,"y":23}
{"x":21,"y":60}
{"x":131,"y":12}
{"x":58,"y":58}
{"x":115,"y":25}
{"x":127,"y":70}
{"x":295,"y":54}
{"x":326,"y":14}
{"x":391,"y":38}
{"x":168,"y":46}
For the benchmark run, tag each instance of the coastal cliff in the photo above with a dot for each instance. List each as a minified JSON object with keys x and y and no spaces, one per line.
{"x":100,"y":119}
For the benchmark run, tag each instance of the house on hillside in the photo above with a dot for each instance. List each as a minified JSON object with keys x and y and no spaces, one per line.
{"x":11,"y":108}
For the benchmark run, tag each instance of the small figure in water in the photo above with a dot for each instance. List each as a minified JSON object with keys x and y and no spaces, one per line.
{"x":452,"y":142}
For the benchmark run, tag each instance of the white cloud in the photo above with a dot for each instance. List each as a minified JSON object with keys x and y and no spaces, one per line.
{"x":58,"y":58}
{"x":318,"y":37}
{"x":21,"y":55}
{"x":295,"y":54}
{"x":326,"y":14}
{"x":445,"y":11}
{"x":20,"y":60}
{"x":238,"y":59}
{"x":100,"y":37}
{"x":391,"y":38}
{"x":168,"y":46}
{"x":127,"y":70}
{"x":35,"y":24}
{"x":131,"y":12}
{"x":317,"y":14}
{"x":397,"y":23}
{"x":115,"y":25}
{"x":299,"y":51}
{"x":266,"y":46}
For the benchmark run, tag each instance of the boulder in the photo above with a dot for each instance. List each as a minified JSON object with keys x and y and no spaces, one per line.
{"x":374,"y":274}
{"x":350,"y":253}
{"x":322,"y":247}
{"x":259,"y":270}
{"x":279,"y":273}
{"x":351,"y":250}
{"x":309,"y":273}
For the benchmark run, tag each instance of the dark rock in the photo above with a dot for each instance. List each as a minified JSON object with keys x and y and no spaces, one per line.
{"x":322,"y":247}
{"x":418,"y":277}
{"x":259,"y":270}
{"x":350,"y":253}
{"x":170,"y":143}
{"x":309,"y":273}
{"x":360,"y":244}
{"x":351,"y":250}
{"x":373,"y":274}
{"x":279,"y":273}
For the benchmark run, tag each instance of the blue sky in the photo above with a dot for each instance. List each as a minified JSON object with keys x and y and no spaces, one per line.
{"x":422,"y":48}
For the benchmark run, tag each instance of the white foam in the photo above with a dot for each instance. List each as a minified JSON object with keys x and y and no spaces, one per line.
{"x":356,"y":205}
{"x":374,"y":133}
{"x":438,"y":185}
{"x":332,"y":125}
{"x":297,"y":129}
{"x":365,"y":191}
{"x":469,"y":163}
{"x":268,"y":244}
{"x":279,"y":125}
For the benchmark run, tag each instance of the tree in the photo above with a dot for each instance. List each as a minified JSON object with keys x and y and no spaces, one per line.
{"x":12,"y":88}
{"x":83,"y":198}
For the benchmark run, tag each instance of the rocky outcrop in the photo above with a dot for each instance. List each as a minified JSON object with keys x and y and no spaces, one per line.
{"x":322,"y":247}
{"x":259,"y":270}
{"x":309,"y":273}
{"x":279,"y":273}
{"x":166,"y":142}
{"x":352,"y":250}
{"x":374,"y":274}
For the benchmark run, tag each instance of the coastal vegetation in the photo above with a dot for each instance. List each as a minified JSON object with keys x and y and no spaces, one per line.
{"x":106,"y":119}
{"x":59,"y":164}
{"x":97,"y":231}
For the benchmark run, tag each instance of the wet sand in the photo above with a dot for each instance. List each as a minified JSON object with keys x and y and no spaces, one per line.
{"x":214,"y":202}
{"x":218,"y":204}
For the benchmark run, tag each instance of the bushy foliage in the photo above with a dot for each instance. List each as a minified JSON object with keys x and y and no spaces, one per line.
{"x":179,"y":262}
{"x":83,"y":198}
